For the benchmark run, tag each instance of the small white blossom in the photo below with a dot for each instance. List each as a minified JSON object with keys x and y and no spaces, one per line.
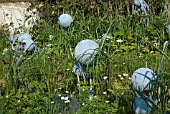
{"x":49,"y":45}
{"x":99,"y":40}
{"x":117,"y":50}
{"x":119,"y":75}
{"x":95,"y":96}
{"x":67,"y":92}
{"x":152,"y":51}
{"x":124,"y":74}
{"x":5,"y":51}
{"x":107,"y":101}
{"x":90,"y":97}
{"x":67,"y":101}
{"x":52,"y":102}
{"x":119,"y":41}
{"x":140,"y":55}
{"x":107,"y":36}
{"x":129,"y":78}
{"x":105,"y":77}
{"x":66,"y":98}
{"x":53,"y":12}
{"x":105,"y":93}
{"x":51,"y":37}
{"x":62,"y":98}
{"x":155,"y":44}
{"x":18,"y":101}
{"x":34,"y":10}
{"x":59,"y":95}
{"x":121,"y":78}
{"x":68,"y":69}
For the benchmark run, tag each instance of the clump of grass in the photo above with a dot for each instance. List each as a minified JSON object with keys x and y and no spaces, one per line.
{"x":128,"y":46}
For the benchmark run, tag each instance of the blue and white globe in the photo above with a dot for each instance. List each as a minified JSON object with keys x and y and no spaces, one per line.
{"x":28,"y":44}
{"x":85,"y":51}
{"x":78,"y":69}
{"x":140,"y":106}
{"x":65,"y":20}
{"x":23,"y":36}
{"x":141,"y":79}
{"x":141,"y":6}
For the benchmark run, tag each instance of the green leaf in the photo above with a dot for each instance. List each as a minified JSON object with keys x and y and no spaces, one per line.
{"x":19,"y":94}
{"x":118,"y":33}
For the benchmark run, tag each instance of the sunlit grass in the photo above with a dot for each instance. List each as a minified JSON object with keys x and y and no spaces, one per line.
{"x":50,"y":73}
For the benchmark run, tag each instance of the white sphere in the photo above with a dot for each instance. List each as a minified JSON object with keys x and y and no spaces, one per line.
{"x":28,"y":44}
{"x":23,"y":36}
{"x":78,"y":69}
{"x":141,"y":79}
{"x":141,"y":107}
{"x":65,"y":20}
{"x":85,"y":51}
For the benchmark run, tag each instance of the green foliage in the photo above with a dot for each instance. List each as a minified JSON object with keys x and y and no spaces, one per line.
{"x":129,"y":44}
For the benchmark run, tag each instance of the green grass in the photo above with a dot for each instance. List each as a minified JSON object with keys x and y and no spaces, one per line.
{"x":50,"y":72}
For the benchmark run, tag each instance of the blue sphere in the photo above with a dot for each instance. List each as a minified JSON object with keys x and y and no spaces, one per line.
{"x":27,"y":44}
{"x":141,"y":107}
{"x":85,"y":51}
{"x":23,"y":36}
{"x":79,"y":69}
{"x":65,"y":20}
{"x":141,"y":79}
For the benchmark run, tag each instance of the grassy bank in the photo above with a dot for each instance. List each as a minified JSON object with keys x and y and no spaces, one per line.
{"x":49,"y":72}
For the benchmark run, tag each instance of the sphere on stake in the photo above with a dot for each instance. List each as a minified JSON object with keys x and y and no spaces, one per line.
{"x":141,"y":79}
{"x":12,"y":39}
{"x":23,"y":36}
{"x":140,"y":106}
{"x":27,"y":44}
{"x":141,"y":6}
{"x":85,"y":51}
{"x":78,"y":69}
{"x":65,"y":20}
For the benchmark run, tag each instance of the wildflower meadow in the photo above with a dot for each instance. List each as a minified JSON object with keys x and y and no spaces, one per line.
{"x":85,"y":57}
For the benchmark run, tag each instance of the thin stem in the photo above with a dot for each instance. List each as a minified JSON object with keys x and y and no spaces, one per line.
{"x":105,"y":36}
